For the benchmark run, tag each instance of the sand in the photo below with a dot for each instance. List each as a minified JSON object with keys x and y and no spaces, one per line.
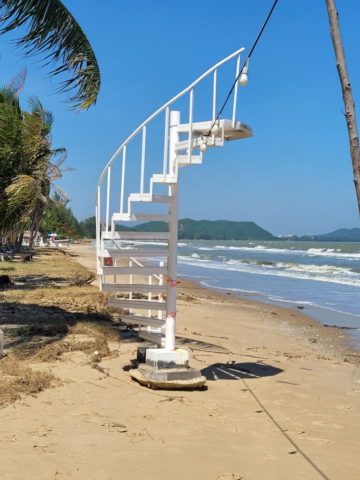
{"x":282,"y":402}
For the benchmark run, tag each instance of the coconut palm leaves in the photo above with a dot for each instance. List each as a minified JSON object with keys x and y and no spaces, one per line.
{"x":27,"y":167}
{"x":53,"y":30}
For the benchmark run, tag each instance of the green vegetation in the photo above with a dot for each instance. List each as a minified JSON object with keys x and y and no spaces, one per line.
{"x":28,"y":163}
{"x":59,"y":218}
{"x":341,"y":235}
{"x":53,"y":31}
{"x":211,"y":230}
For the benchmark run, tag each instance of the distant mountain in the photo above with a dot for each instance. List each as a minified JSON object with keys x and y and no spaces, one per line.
{"x":341,"y":235}
{"x":211,"y":230}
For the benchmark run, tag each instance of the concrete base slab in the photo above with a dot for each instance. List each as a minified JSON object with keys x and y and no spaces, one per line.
{"x":159,"y":358}
{"x":168,"y":385}
{"x":168,"y":374}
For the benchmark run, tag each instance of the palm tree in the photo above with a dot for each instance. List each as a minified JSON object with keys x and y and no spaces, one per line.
{"x":54,"y":31}
{"x":347,"y":94}
{"x":29,"y":161}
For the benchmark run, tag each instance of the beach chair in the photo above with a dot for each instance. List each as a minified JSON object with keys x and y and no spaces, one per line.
{"x":11,"y":250}
{"x":24,"y":256}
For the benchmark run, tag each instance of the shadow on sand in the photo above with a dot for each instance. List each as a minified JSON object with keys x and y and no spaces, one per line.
{"x":238,"y":371}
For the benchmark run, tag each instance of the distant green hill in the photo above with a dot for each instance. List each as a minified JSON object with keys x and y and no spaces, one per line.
{"x":211,"y":230}
{"x":341,"y":235}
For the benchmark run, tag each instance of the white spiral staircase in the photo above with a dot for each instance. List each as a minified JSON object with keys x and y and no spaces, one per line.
{"x":151,"y":305}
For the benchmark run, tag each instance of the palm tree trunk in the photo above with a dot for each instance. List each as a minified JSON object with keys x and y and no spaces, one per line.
{"x":347,"y":94}
{"x":35,"y":223}
{"x":18,"y":242}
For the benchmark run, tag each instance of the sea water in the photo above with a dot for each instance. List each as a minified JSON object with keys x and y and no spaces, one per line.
{"x":321,"y":278}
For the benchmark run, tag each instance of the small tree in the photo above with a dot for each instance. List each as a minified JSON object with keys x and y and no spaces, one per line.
{"x":347,"y":93}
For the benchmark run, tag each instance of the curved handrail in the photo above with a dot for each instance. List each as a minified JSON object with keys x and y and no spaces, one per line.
{"x":161,"y":110}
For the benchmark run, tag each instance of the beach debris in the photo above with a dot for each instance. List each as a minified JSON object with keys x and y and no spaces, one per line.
{"x":341,"y":328}
{"x":230,"y":476}
{"x":5,"y":280}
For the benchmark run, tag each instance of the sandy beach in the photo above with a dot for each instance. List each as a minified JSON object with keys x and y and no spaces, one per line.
{"x":281,"y":402}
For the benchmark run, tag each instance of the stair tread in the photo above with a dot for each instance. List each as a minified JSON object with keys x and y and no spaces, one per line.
{"x":131,"y":287}
{"x":137,"y":304}
{"x":142,"y":320}
{"x":139,"y":217}
{"x":155,"y":337}
{"x":161,"y":178}
{"x":147,"y":197}
{"x":133,"y":270}
{"x":114,"y":252}
{"x":240,"y":131}
{"x":136,"y":235}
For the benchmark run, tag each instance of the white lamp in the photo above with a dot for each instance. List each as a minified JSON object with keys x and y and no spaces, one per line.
{"x":215,"y":129}
{"x":203,"y":147}
{"x":243,"y":80}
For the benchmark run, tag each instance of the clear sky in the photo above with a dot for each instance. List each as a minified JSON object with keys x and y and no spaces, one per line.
{"x":294,"y":176}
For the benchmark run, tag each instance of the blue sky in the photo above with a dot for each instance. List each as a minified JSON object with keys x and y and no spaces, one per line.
{"x":293,"y":176}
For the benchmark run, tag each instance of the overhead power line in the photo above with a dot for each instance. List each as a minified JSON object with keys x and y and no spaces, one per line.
{"x":245,"y":63}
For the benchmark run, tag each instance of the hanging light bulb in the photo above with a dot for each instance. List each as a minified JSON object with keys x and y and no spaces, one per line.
{"x":243,"y":80}
{"x":215,"y":129}
{"x":203,"y":147}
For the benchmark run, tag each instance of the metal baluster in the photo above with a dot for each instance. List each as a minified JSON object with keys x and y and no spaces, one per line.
{"x":160,"y":297}
{"x":191,"y":108}
{"x":143,"y":161}
{"x":130,"y":294}
{"x":108,"y":200}
{"x":236,"y":90}
{"x":166,"y":140}
{"x":214,"y":97}
{"x":122,"y":181}
{"x":149,"y":298}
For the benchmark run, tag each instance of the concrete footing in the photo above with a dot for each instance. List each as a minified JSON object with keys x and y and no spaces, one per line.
{"x":159,"y":358}
{"x":160,"y":368}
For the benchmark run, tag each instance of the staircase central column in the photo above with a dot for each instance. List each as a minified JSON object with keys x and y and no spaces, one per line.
{"x":173,"y":229}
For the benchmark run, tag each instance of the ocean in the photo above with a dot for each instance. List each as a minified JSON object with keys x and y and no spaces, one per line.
{"x":321,"y":278}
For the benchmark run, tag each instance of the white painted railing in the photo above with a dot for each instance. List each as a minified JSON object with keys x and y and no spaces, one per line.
{"x":142,"y":127}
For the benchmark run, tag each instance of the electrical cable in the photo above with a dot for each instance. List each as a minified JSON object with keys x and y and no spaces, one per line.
{"x":245,"y":63}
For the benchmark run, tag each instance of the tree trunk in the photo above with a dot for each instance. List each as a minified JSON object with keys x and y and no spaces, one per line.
{"x":347,"y":93}
{"x":35,"y":223}
{"x":18,"y":242}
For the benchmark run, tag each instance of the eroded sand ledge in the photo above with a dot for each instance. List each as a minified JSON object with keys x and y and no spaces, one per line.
{"x":282,"y":403}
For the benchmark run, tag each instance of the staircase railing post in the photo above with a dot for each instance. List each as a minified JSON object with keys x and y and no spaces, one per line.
{"x":173,"y":230}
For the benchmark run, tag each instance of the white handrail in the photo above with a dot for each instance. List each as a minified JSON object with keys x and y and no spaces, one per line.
{"x":164,"y":107}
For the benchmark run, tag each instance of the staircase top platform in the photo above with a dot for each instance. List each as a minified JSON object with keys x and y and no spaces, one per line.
{"x":240,"y":131}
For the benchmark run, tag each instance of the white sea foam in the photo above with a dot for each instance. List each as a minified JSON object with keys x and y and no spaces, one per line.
{"x":320,"y":273}
{"x":323,"y":252}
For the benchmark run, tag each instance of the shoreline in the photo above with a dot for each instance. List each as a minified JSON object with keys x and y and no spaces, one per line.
{"x":322,"y":339}
{"x":276,"y":405}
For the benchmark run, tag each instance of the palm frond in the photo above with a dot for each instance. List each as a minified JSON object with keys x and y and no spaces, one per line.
{"x":62,"y":156}
{"x":17,"y":83}
{"x":52,"y":28}
{"x":54,"y":172}
{"x":62,"y":194}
